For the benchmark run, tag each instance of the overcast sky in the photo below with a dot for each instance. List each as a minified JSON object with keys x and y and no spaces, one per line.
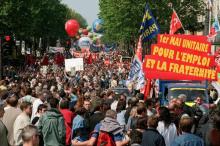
{"x":87,"y":8}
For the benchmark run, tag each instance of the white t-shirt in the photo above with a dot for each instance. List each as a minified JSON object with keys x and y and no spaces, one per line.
{"x":36,"y":103}
{"x":114,"y":105}
{"x":169,"y":133}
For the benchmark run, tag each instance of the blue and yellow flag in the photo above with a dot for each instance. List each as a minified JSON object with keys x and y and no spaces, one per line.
{"x":149,"y":27}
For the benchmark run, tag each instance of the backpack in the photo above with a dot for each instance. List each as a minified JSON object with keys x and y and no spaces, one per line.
{"x":105,"y":139}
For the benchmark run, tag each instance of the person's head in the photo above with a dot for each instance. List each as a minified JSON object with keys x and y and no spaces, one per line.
{"x":110,"y":93}
{"x":87,"y":104}
{"x":53,"y":102}
{"x":2,"y":111}
{"x":41,"y":96}
{"x":30,"y":136}
{"x":186,"y":124}
{"x":152,"y":122}
{"x":62,"y":94}
{"x":111,"y":114}
{"x":79,"y":110}
{"x":64,"y":104}
{"x":179,"y":103}
{"x":123,"y":97}
{"x":132,"y":101}
{"x":97,"y":104}
{"x":141,"y":109}
{"x":26,"y":107}
{"x":12,"y":100}
{"x":121,"y":105}
{"x":149,"y":103}
{"x":164,"y":115}
{"x":106,"y":107}
{"x":133,"y":112}
{"x":216,"y":120}
{"x":182,"y":97}
{"x":142,"y":122}
{"x":42,"y":108}
{"x":174,"y":108}
{"x":74,"y":91}
{"x":28,"y":91}
{"x":198,"y":100}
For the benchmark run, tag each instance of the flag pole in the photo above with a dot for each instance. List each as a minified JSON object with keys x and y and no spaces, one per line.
{"x":210,"y":16}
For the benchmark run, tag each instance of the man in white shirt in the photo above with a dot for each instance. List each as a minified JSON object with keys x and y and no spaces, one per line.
{"x":22,"y":121}
{"x":40,"y":100}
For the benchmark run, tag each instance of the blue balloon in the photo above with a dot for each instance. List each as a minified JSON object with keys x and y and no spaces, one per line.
{"x":97,"y":26}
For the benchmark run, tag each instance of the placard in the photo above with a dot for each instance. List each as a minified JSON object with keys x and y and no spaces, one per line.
{"x":74,"y":64}
{"x":180,"y":57}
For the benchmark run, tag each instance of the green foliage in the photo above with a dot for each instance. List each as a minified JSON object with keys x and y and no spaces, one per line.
{"x":122,"y":18}
{"x":187,"y":10}
{"x":36,"y":18}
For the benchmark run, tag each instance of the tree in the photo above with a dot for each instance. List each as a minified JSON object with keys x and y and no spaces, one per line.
{"x":31,"y":19}
{"x":15,"y":16}
{"x":187,"y":10}
{"x":122,"y":18}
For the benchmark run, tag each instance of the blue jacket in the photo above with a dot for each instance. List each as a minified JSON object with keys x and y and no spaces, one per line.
{"x":188,"y":139}
{"x":79,"y":129}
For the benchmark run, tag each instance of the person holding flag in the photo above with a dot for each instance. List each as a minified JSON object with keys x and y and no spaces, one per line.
{"x":148,"y":30}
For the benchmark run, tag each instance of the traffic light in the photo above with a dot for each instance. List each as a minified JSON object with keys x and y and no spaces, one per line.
{"x":7,"y":38}
{"x":7,"y":46}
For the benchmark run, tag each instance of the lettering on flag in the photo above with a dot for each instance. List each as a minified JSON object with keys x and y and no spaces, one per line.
{"x":149,"y":27}
{"x":175,"y":23}
{"x":135,"y":69}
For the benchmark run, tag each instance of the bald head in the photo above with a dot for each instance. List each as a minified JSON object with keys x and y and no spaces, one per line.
{"x":182,"y":97}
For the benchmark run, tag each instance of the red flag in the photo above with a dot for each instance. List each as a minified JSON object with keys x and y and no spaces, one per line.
{"x":45,"y":60}
{"x":90,"y":59}
{"x":139,"y":49}
{"x":147,"y":89}
{"x":59,"y":59}
{"x":175,"y":23}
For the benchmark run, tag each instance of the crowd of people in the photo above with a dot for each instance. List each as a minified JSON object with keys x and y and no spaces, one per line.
{"x":58,"y":109}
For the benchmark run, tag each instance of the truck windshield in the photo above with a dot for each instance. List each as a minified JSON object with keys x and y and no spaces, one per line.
{"x":191,"y":93}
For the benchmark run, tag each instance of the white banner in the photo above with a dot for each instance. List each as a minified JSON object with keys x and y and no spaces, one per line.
{"x":56,"y":49}
{"x":74,"y":64}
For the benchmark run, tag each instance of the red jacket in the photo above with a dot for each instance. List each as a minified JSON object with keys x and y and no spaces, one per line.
{"x":59,"y":59}
{"x":45,"y":61}
{"x":68,"y":118}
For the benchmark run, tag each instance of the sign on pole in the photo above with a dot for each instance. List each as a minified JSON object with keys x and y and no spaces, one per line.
{"x":180,"y":57}
{"x":74,"y":64}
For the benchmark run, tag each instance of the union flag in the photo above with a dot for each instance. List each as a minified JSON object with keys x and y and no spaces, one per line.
{"x":175,"y":23}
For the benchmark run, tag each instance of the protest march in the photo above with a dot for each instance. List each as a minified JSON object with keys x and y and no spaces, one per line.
{"x":142,"y":73}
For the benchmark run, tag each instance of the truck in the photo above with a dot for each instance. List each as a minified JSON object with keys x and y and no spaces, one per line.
{"x":192,"y":89}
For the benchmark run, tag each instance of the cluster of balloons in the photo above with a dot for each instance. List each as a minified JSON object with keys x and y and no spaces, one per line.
{"x":85,"y":36}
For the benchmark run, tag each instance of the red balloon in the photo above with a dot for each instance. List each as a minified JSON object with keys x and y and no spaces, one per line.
{"x":72,"y":27}
{"x":85,"y":32}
